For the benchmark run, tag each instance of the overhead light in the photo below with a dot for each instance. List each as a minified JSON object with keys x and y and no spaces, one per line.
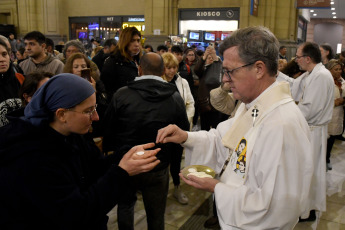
{"x":334,"y":16}
{"x":334,"y":13}
{"x":311,"y":11}
{"x":314,"y":14}
{"x":332,"y":8}
{"x":332,"y":3}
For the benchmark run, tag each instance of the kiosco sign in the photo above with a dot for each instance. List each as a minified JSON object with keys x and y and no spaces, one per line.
{"x":209,"y":14}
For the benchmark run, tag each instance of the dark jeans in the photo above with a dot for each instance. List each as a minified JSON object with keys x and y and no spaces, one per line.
{"x":175,"y":163}
{"x":154,"y":187}
{"x":330,"y":143}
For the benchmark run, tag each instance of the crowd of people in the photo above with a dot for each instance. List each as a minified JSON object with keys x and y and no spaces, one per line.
{"x":265,"y":124}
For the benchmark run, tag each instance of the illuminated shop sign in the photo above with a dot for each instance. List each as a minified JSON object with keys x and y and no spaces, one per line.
{"x":136,"y":19}
{"x":209,"y":14}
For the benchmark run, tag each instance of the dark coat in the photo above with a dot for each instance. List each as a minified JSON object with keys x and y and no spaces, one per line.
{"x":50,"y":181}
{"x":117,"y":72}
{"x":99,"y":59}
{"x":9,"y":94}
{"x":186,"y":73}
{"x":139,"y":110}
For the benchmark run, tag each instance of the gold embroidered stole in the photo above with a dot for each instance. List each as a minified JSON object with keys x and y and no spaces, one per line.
{"x":277,"y":95}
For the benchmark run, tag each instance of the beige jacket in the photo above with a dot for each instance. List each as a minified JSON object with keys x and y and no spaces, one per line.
{"x":223,"y":101}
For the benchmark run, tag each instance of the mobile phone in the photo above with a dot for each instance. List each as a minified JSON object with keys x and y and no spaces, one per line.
{"x":86,"y":74}
{"x":212,"y":44}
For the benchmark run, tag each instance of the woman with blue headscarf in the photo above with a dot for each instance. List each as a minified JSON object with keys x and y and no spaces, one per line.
{"x":51,"y":177}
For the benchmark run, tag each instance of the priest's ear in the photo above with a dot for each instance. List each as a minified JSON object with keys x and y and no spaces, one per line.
{"x":260,"y":69}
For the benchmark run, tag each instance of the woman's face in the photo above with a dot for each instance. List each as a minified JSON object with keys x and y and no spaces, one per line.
{"x":19,"y":55}
{"x":190,"y":56}
{"x":79,"y":119}
{"x":134,"y":45}
{"x":170,"y":72}
{"x":4,"y":59}
{"x":336,"y":72}
{"x":78,"y":65}
{"x":71,"y":50}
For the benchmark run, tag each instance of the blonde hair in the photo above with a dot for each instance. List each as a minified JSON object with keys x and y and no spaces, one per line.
{"x":169,"y":61}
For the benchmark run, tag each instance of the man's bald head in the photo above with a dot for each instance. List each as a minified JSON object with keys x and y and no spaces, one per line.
{"x":152,"y":64}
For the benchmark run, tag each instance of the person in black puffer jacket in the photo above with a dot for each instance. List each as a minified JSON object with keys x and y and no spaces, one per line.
{"x":135,"y":115}
{"x":122,"y":67}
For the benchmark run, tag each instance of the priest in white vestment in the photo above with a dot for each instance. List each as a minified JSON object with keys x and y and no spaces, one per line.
{"x":263,"y":154}
{"x":313,"y":92}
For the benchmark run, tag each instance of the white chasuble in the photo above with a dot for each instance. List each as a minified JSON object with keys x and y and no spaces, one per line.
{"x":267,"y":178}
{"x":314,"y":93}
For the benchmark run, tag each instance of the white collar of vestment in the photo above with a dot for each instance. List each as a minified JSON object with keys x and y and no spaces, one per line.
{"x":256,"y":99}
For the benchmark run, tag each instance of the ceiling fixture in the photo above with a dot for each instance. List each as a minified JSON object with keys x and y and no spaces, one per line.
{"x":314,"y":14}
{"x":311,"y":11}
{"x":334,"y":13}
{"x":334,"y":16}
{"x":332,"y":3}
{"x":332,"y":8}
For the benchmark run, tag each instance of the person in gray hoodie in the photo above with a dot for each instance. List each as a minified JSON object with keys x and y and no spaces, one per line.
{"x":38,"y":59}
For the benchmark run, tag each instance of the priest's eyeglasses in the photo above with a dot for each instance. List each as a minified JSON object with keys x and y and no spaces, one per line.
{"x":228,"y":73}
{"x":298,"y":57}
{"x":90,"y":113}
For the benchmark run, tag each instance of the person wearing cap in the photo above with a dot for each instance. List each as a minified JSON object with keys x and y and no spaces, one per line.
{"x":51,"y":175}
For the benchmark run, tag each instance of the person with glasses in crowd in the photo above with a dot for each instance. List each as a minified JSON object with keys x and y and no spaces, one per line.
{"x":262,"y":155}
{"x":51,"y":175}
{"x":313,"y":91}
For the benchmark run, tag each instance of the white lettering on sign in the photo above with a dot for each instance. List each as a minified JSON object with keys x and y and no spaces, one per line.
{"x":110,"y":19}
{"x":207,"y":13}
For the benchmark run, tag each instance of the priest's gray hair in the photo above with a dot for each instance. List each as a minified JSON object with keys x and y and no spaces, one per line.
{"x":254,"y":44}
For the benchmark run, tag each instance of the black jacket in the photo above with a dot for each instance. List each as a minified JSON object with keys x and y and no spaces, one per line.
{"x":186,"y":73}
{"x":9,"y":94}
{"x":99,"y":59}
{"x":117,"y":72}
{"x":50,"y":181}
{"x":138,"y":111}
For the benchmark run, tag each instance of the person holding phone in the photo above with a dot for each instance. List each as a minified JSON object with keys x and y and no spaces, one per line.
{"x":80,"y":65}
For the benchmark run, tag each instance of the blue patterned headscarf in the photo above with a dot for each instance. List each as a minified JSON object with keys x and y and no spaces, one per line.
{"x":61,"y":91}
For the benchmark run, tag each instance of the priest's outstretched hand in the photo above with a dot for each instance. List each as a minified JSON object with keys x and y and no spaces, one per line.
{"x":171,"y":133}
{"x":206,"y":184}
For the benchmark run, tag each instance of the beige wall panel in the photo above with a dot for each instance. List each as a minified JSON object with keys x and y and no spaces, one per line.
{"x":209,"y":4}
{"x":9,"y":11}
{"x":51,"y":13}
{"x":75,"y":8}
{"x":24,"y":16}
{"x":31,"y":17}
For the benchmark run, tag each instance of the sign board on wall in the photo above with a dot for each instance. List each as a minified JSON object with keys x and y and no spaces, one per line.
{"x":313,"y":4}
{"x":209,"y":14}
{"x":254,"y":7}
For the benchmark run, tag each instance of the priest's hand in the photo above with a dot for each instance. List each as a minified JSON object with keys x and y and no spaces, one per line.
{"x":137,"y":160}
{"x":171,"y":133}
{"x":206,"y":184}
